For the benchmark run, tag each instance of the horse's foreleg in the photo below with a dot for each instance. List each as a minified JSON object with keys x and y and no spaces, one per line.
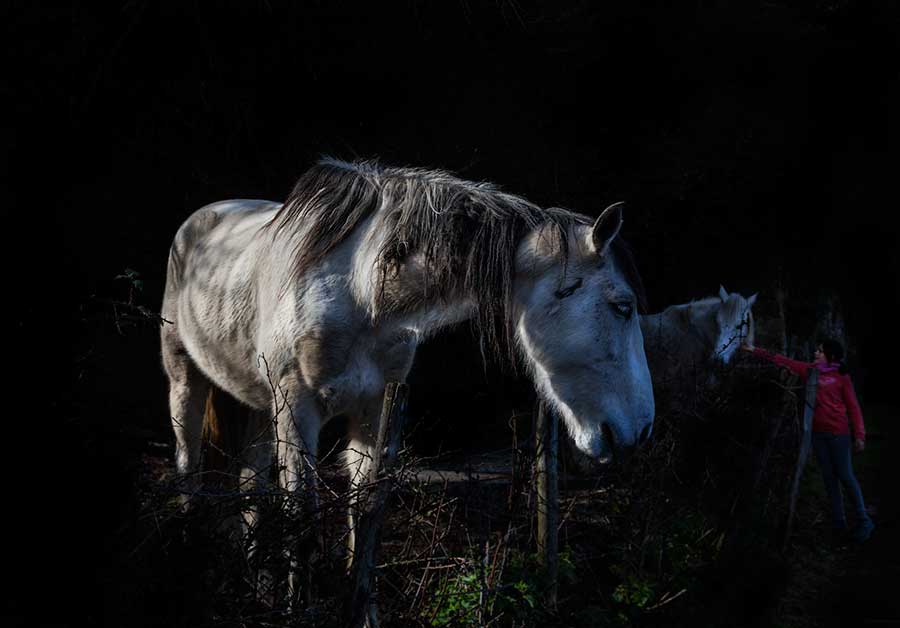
{"x":256,"y":459}
{"x":257,"y":455}
{"x":188,"y":389}
{"x":358,"y":461}
{"x":297,"y":425}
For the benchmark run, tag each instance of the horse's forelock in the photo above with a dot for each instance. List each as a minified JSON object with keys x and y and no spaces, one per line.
{"x":731,"y":310}
{"x":736,"y":306}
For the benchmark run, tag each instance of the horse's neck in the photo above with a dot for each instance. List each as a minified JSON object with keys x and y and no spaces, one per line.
{"x":683,"y":331}
{"x":698,"y":321}
{"x":654,"y":331}
{"x":433,"y":316}
{"x":407,"y":299}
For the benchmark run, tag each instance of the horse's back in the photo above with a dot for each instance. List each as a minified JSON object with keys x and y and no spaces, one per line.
{"x":244,"y":210}
{"x":233,"y":216}
{"x":228,"y":225}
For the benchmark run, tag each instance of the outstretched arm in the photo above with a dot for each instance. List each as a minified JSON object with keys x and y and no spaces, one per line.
{"x":795,"y":366}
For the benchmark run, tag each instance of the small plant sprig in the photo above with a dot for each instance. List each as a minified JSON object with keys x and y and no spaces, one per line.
{"x":130,"y":312}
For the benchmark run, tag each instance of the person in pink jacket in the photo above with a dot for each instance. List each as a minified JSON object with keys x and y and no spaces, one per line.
{"x":836,"y":418}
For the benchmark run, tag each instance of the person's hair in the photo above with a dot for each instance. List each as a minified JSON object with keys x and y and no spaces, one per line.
{"x":834,"y":352}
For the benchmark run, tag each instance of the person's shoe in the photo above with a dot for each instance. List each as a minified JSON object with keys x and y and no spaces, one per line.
{"x":862,"y":532}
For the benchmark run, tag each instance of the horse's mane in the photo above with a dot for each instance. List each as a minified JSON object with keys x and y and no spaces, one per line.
{"x":466,"y":232}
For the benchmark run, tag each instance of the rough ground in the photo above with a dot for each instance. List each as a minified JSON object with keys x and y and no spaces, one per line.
{"x":864,"y":591}
{"x":850,"y":585}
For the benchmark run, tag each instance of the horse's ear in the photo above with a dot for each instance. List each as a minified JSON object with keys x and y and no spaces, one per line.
{"x":752,"y":299}
{"x":723,"y":293}
{"x":606,"y":228}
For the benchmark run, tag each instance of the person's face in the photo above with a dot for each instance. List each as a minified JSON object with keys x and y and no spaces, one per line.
{"x":819,"y":356}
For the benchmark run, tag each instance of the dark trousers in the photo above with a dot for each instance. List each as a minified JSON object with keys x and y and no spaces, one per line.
{"x":833,"y":454}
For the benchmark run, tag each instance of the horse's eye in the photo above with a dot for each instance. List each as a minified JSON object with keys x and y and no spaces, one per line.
{"x":623,"y":309}
{"x":562,"y":294}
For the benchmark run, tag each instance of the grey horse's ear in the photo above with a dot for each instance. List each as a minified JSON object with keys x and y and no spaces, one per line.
{"x":723,"y":293}
{"x":606,"y":228}
{"x":752,"y":299}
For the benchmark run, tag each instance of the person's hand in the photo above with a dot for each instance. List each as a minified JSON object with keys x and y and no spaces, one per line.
{"x":859,"y":445}
{"x":746,"y":346}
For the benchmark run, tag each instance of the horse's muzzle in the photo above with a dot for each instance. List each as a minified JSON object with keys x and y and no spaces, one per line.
{"x":623,"y":441}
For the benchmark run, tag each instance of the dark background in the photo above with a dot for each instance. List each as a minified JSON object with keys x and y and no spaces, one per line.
{"x":756,"y":144}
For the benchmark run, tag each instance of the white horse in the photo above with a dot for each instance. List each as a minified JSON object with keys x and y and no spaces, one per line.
{"x":305,"y":310}
{"x":696,"y":334}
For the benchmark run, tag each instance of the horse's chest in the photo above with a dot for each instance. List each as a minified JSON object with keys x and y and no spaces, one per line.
{"x":368,"y":366}
{"x":351,"y":389}
{"x":364,"y":376}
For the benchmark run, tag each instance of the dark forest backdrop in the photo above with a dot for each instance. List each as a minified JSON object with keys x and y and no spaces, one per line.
{"x":756,"y":144}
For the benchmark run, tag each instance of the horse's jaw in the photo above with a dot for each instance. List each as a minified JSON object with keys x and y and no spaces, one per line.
{"x":589,"y":441}
{"x":601,"y":429}
{"x":606,"y":409}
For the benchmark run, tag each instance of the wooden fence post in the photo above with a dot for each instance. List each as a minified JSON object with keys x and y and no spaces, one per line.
{"x":809,"y":406}
{"x":547,"y":432}
{"x":360,"y":609}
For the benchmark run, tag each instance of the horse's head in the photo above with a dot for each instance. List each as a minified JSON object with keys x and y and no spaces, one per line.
{"x":578,"y":327}
{"x":733,"y":324}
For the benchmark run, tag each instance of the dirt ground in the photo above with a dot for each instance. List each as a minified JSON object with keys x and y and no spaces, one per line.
{"x":864,"y":591}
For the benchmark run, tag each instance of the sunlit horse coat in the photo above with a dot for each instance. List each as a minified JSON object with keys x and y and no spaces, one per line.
{"x":304,"y":311}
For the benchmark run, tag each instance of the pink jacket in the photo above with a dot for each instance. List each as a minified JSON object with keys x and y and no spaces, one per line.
{"x":835,"y":397}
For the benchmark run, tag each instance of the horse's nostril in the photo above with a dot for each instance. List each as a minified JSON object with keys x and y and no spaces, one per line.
{"x":645,"y":434}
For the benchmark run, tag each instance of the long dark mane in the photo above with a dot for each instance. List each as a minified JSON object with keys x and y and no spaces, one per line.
{"x":465,"y":232}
